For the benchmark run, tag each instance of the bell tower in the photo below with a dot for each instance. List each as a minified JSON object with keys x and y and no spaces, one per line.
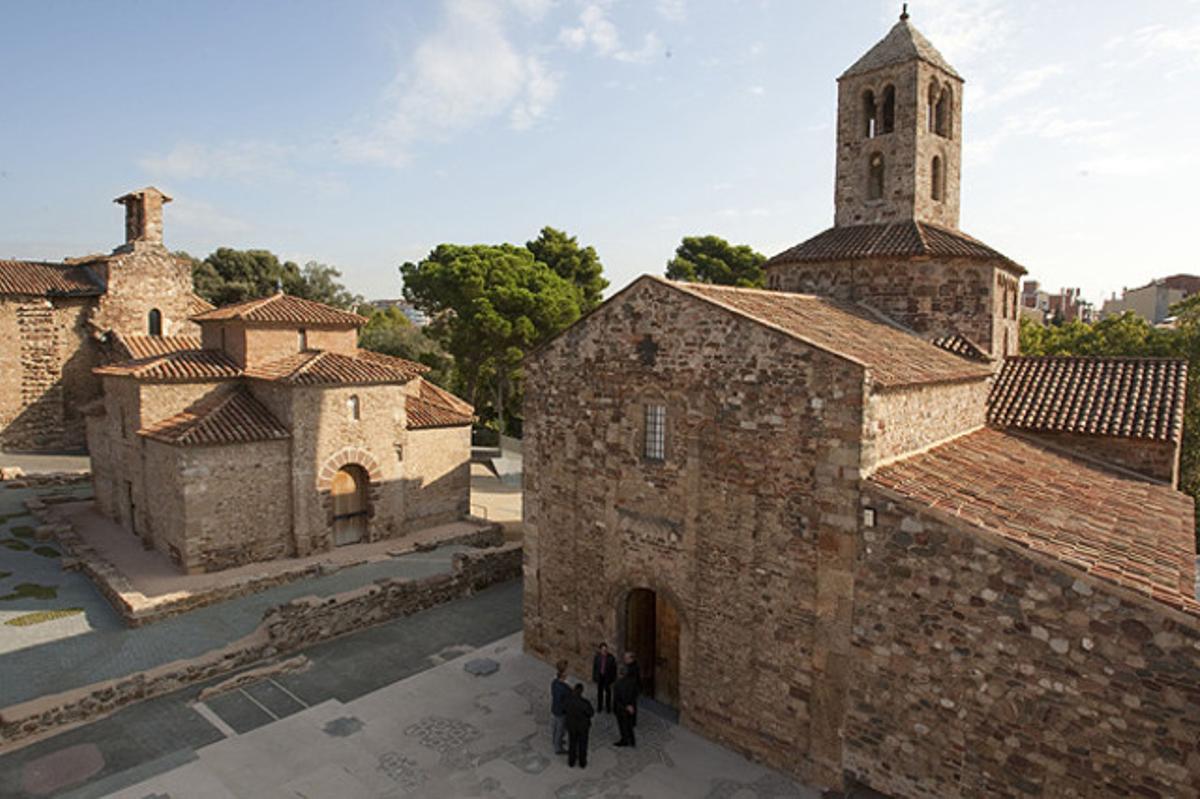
{"x":899,"y":134}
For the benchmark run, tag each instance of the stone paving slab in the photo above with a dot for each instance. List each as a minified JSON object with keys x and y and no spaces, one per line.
{"x":447,"y":733}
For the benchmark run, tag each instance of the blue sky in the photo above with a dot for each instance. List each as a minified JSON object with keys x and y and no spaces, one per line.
{"x":362,"y":134}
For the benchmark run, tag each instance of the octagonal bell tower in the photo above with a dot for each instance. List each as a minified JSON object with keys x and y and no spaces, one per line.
{"x":899,"y":134}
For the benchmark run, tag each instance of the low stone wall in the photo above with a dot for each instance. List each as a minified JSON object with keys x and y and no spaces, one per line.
{"x":297,"y":624}
{"x":15,"y":477}
{"x":984,"y":669}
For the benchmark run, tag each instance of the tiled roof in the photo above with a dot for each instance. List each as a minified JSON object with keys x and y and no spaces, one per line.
{"x":198,"y":305}
{"x":1128,"y":397}
{"x":320,"y":367}
{"x":960,"y":345}
{"x":229,"y":417}
{"x":436,"y":407}
{"x":148,"y":346}
{"x":283,"y":308}
{"x":902,"y":43}
{"x":1128,"y":531}
{"x":181,"y":366}
{"x":894,"y":356}
{"x":895,"y":240}
{"x":39,"y":279}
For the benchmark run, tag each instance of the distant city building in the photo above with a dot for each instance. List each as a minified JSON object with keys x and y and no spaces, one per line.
{"x":1067,"y":305}
{"x":1152,"y":301}
{"x":414,"y":315}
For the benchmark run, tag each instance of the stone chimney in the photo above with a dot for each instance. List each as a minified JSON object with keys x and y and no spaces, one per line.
{"x":143,"y":215}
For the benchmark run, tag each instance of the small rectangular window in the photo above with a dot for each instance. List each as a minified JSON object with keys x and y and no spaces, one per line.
{"x":302,"y":339}
{"x":656,"y":432}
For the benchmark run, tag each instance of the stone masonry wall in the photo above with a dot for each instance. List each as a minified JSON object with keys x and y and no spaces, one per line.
{"x":1155,"y":459}
{"x":982,"y":669}
{"x":140,"y":277}
{"x":437,"y":469}
{"x":166,"y":514}
{"x":932,"y":296}
{"x":909,"y":418}
{"x":747,"y":526}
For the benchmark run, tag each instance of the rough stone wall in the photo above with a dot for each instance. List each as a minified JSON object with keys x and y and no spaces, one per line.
{"x":748,"y":526}
{"x":909,"y":418}
{"x":907,"y":151}
{"x":45,"y":373}
{"x":166,"y":515}
{"x":932,"y":296}
{"x":236,"y":503}
{"x":982,"y":669}
{"x":158,"y":401}
{"x":333,"y":339}
{"x":99,"y":446}
{"x":437,"y":469}
{"x":1155,"y":459}
{"x":140,"y":277}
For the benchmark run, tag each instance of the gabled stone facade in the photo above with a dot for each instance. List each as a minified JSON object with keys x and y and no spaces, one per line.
{"x":64,"y":316}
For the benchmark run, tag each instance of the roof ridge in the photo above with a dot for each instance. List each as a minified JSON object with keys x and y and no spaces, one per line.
{"x":921,"y":235}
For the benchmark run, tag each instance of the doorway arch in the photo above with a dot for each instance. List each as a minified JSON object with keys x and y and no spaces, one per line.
{"x":652,"y":634}
{"x":350,"y":512}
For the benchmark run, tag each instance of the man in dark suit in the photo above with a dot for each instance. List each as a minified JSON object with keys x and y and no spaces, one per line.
{"x":559,"y":691}
{"x":579,"y":722}
{"x":635,"y":671}
{"x":604,"y":674}
{"x":625,"y":694}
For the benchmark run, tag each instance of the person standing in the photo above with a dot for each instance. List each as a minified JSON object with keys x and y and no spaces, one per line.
{"x":579,"y":722}
{"x":624,"y":704}
{"x":635,"y":672}
{"x":559,"y":691}
{"x":604,"y":674}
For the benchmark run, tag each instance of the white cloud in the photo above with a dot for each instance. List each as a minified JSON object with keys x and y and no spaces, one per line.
{"x":238,"y":160}
{"x":757,"y":90}
{"x":597,"y":30}
{"x":198,"y":219}
{"x":465,"y":73}
{"x":1122,"y":166}
{"x":1021,"y":84}
{"x":964,"y":30}
{"x":1178,"y":44}
{"x":673,"y":10}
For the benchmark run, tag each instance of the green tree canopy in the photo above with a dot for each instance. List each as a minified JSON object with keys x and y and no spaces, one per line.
{"x":228,"y":275}
{"x":711,"y":259}
{"x":322,"y":283}
{"x":490,"y":304}
{"x":579,"y":265}
{"x":389,"y":331}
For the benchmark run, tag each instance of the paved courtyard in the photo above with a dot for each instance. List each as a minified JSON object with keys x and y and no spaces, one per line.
{"x":446,"y":733}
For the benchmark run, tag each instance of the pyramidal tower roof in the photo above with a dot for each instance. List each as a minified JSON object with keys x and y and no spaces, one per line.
{"x":902,"y":43}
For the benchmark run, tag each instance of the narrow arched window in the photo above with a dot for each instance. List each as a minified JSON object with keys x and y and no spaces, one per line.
{"x":942,"y":113}
{"x":868,"y":114}
{"x":930,"y":108}
{"x":875,"y":178}
{"x":935,"y":178}
{"x":154,"y":323}
{"x":302,"y":339}
{"x":352,"y":405}
{"x":889,"y":109}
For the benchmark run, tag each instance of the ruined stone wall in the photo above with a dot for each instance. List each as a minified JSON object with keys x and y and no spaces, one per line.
{"x":747,"y":526}
{"x":437,"y":471}
{"x":142,"y":277}
{"x":932,"y":296}
{"x":909,"y":418}
{"x":236,"y":503}
{"x":45,"y":373}
{"x":1158,"y":460}
{"x":982,"y":669}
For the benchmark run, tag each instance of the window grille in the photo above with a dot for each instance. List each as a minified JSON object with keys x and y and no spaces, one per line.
{"x":656,"y":432}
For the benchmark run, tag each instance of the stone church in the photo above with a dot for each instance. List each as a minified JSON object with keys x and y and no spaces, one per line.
{"x":64,"y":319}
{"x":272,"y":435}
{"x":847,"y":528}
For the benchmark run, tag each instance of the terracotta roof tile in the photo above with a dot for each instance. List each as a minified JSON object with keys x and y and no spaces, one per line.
{"x":896,"y":240}
{"x":320,"y":367}
{"x":229,"y":417}
{"x":181,"y":366}
{"x":39,"y":279}
{"x":960,"y":345}
{"x":436,"y":407}
{"x":1127,"y":397}
{"x":894,"y":356}
{"x":138,"y":347}
{"x":283,"y":308}
{"x":1132,"y":532}
{"x":902,"y":43}
{"x":198,"y":305}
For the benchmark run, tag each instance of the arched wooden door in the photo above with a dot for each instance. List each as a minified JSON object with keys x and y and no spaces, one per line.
{"x":652,"y":634}
{"x":349,"y":492}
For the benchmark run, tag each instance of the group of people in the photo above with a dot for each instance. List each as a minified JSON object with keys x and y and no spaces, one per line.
{"x":571,"y":713}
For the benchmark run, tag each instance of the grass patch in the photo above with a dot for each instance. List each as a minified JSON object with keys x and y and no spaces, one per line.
{"x":40,"y":616}
{"x":15,"y":545}
{"x":47,"y":552}
{"x":5,"y":574}
{"x":24,"y":531}
{"x":31,"y":591}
